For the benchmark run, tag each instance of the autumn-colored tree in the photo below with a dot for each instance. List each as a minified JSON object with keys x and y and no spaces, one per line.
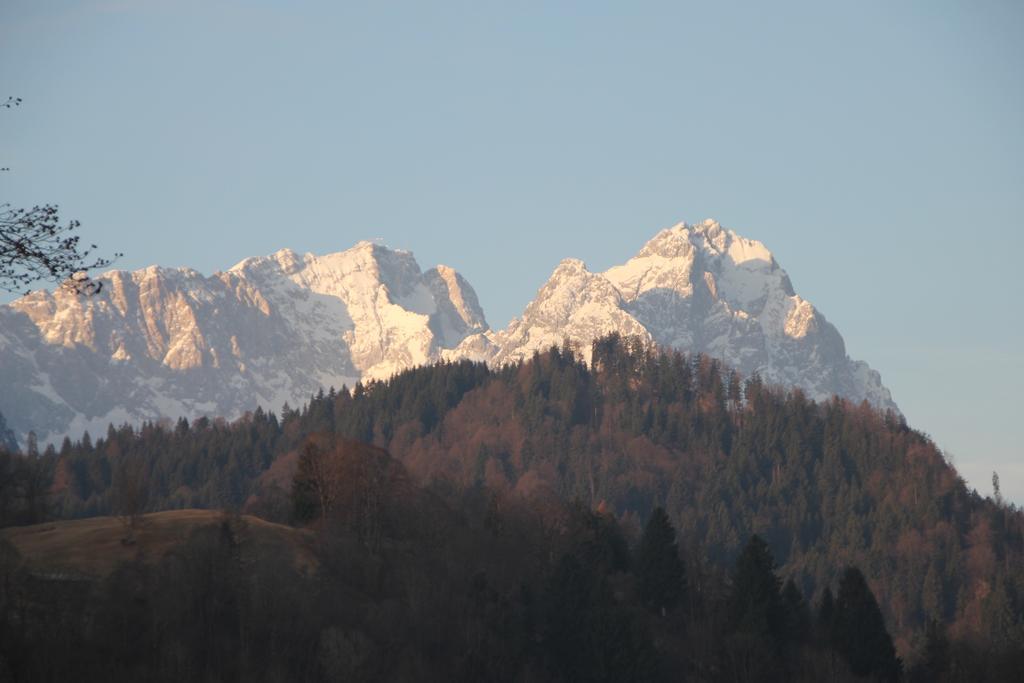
{"x":824,"y":483}
{"x":317,"y":483}
{"x":340,"y":481}
{"x":130,"y":493}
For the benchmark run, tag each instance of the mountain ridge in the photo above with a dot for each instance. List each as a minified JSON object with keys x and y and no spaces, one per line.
{"x":169,"y":342}
{"x":700,"y":288}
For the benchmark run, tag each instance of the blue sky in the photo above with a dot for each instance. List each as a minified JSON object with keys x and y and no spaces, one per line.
{"x":876,"y":148}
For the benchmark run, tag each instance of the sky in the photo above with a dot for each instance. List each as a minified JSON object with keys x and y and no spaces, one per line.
{"x":876,"y":148}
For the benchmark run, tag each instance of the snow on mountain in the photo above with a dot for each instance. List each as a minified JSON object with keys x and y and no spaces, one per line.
{"x":169,"y":342}
{"x":697,"y":288}
{"x":163,"y":342}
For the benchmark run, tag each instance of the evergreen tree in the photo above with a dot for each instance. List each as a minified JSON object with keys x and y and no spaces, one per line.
{"x":797,"y":615}
{"x":826,"y":616}
{"x":587,"y":636}
{"x":934,"y":659}
{"x":755,"y":604}
{"x":660,"y":572}
{"x":860,"y":633}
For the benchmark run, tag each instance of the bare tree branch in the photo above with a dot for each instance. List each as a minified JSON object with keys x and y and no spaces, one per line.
{"x":35,"y":246}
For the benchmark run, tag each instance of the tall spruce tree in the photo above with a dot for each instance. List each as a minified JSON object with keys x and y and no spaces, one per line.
{"x":860,"y":633}
{"x":660,"y":572}
{"x":826,"y":617}
{"x":933,"y":661}
{"x":755,"y":603}
{"x":797,"y":614}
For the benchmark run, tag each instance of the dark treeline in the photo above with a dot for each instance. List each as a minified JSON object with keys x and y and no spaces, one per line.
{"x":408,"y":583}
{"x":827,"y":486}
{"x":411,"y":584}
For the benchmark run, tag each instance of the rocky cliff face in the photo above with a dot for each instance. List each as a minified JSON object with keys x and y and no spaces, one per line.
{"x":697,"y":288}
{"x":163,"y":342}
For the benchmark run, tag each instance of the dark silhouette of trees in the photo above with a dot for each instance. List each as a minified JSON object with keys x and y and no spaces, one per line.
{"x":859,"y":631}
{"x":825,"y":485}
{"x":25,"y":482}
{"x":933,"y":664}
{"x":460,"y":585}
{"x":755,"y":622}
{"x":796,"y":613}
{"x":317,"y":483}
{"x":589,"y":637}
{"x":660,"y":572}
{"x":755,"y":604}
{"x":825,"y":618}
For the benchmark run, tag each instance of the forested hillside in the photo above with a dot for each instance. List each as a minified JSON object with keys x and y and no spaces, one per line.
{"x":826,"y":485}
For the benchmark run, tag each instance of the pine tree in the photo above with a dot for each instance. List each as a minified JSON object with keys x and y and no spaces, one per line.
{"x":660,"y":572}
{"x":826,"y":616}
{"x":798,"y":618}
{"x":755,"y":604}
{"x":934,"y":658}
{"x":860,"y":633}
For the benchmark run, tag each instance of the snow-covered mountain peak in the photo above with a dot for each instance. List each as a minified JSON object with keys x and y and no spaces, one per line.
{"x":698,"y":287}
{"x":673,"y":242}
{"x":682,"y":239}
{"x":167,"y":342}
{"x":172,"y":342}
{"x":571,"y":265}
{"x":449,"y":286}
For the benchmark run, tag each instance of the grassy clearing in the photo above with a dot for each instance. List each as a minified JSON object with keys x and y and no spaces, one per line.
{"x":93,"y":547}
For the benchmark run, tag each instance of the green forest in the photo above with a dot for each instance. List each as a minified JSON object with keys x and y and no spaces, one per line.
{"x":649,"y":515}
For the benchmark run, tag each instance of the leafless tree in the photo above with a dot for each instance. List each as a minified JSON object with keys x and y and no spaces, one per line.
{"x":36,"y":245}
{"x":325,"y":473}
{"x":130,"y":495}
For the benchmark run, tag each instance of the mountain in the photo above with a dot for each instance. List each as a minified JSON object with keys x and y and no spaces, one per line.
{"x":826,"y":485}
{"x":169,"y":342}
{"x":700,"y":288}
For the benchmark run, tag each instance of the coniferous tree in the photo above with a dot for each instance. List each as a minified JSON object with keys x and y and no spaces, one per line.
{"x":824,"y":478}
{"x":755,"y":604}
{"x":660,"y":572}
{"x":825,"y":622}
{"x":587,"y":636}
{"x":797,"y":614}
{"x":860,"y":633}
{"x":934,"y":659}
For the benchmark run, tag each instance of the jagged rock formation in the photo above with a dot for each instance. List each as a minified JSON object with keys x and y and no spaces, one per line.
{"x":162,"y":342}
{"x":697,"y":288}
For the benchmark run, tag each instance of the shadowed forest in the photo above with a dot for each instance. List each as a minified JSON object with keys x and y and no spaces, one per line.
{"x":651,"y":516}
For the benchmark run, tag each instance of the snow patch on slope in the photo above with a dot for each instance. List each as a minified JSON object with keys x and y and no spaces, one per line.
{"x":170,"y":342}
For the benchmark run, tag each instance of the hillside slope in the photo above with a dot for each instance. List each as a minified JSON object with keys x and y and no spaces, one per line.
{"x":826,"y":484}
{"x":92,"y":548}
